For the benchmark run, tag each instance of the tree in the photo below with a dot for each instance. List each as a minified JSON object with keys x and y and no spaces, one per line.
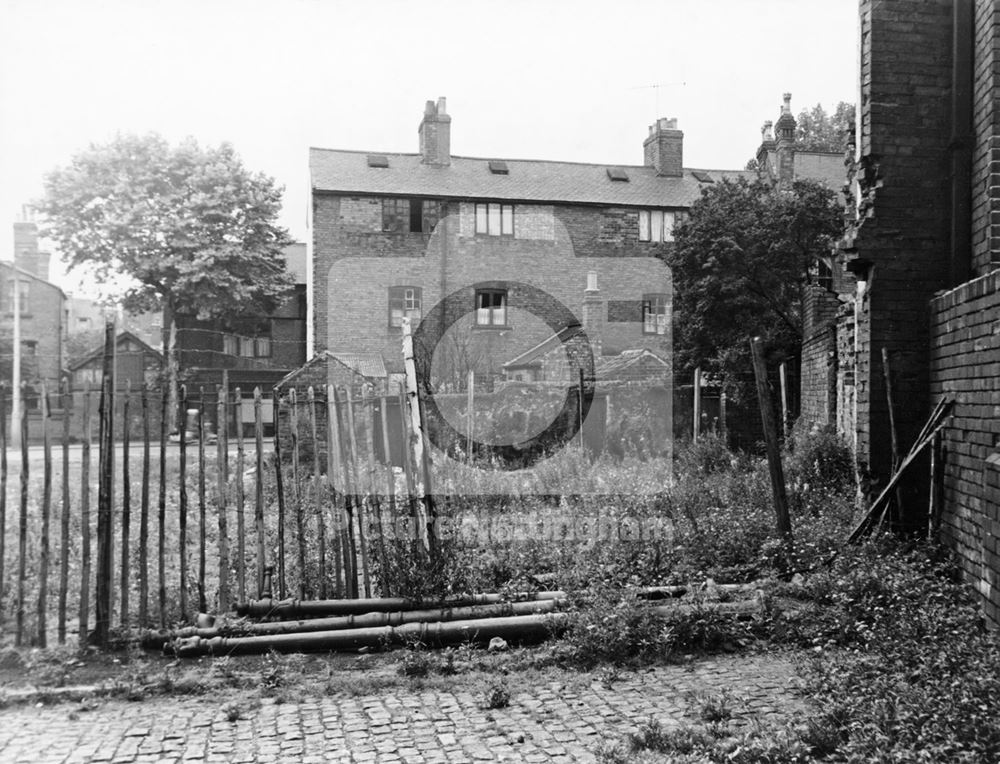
{"x":739,"y":265}
{"x":815,"y":130}
{"x":190,"y":229}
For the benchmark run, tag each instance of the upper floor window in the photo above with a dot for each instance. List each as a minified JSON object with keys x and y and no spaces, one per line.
{"x":495,"y":219}
{"x":655,"y":313}
{"x":410,"y":215}
{"x":491,"y":307}
{"x":404,"y":301}
{"x":656,"y":225}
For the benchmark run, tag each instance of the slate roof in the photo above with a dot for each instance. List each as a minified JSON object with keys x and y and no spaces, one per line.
{"x":525,"y":181}
{"x":533,"y":356}
{"x":366,"y":364}
{"x":612,"y":365}
{"x":124,"y":336}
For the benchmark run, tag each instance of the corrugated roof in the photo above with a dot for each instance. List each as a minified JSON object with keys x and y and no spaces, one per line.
{"x":366,"y":364}
{"x":610,"y":365}
{"x":527,"y":180}
{"x":533,"y":356}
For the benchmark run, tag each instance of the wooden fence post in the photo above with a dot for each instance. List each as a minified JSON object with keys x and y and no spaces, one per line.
{"x":318,"y":492}
{"x":347,"y":519}
{"x":258,"y":432}
{"x":333,"y":459}
{"x":222,"y":469}
{"x":359,"y":499}
{"x":22,"y":536}
{"x":783,"y":379}
{"x":182,"y":508}
{"x":104,"y":592}
{"x":421,"y":464}
{"x":784,"y":523}
{"x":84,"y":609}
{"x":4,"y":440}
{"x":280,"y":487}
{"x":64,"y":521}
{"x":144,"y":515}
{"x":241,"y":549}
{"x":126,"y":503}
{"x":43,"y":572}
{"x":300,"y":533}
{"x":202,"y":508}
{"x":161,"y":508}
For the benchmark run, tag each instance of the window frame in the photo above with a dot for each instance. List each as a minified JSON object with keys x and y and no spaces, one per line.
{"x":400,"y":213}
{"x":503,"y":307}
{"x":661,"y":301}
{"x":499,"y":223}
{"x":654,"y":227}
{"x":401,"y":296}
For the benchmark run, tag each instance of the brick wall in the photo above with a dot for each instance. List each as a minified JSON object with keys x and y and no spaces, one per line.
{"x":41,"y":325}
{"x":986,"y":131}
{"x":905,"y":120}
{"x":553,"y":250}
{"x":818,"y":404}
{"x":965,"y":366}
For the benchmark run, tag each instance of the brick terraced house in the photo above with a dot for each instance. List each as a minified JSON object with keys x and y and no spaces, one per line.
{"x":394,"y":235}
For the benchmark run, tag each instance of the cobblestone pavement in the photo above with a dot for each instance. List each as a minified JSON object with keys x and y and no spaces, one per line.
{"x":554,"y":716}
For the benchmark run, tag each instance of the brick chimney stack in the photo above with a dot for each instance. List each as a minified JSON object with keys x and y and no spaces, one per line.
{"x":27,"y":257}
{"x":664,"y":148}
{"x":435,"y":134}
{"x":785,"y":133}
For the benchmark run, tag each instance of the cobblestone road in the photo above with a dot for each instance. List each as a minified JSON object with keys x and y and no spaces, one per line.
{"x":560,"y":717}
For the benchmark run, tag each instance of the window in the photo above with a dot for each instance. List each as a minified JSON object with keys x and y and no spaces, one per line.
{"x":495,"y":219}
{"x":23,"y":295}
{"x":410,"y":215}
{"x":262,"y":347}
{"x":230,"y":346}
{"x":247,"y":347}
{"x":404,"y":301}
{"x":655,"y":313}
{"x":656,"y":225}
{"x":491,"y":307}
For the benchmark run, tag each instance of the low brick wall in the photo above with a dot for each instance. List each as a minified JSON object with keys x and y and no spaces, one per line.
{"x":965,"y":366}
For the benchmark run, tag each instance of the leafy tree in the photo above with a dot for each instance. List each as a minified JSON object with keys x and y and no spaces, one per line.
{"x":739,"y":265}
{"x":815,"y":130}
{"x":191,"y":230}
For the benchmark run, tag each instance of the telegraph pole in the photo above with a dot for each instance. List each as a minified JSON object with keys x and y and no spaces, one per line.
{"x":15,"y":391}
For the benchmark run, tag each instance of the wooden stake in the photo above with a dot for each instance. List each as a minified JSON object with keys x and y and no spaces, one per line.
{"x":22,"y":538}
{"x":202,"y":509}
{"x":222,"y":470}
{"x":64,"y":521}
{"x":390,"y":477}
{"x":375,"y":504}
{"x":332,"y":469}
{"x":470,"y":402}
{"x":144,"y":515}
{"x":241,"y":550}
{"x":347,"y":520}
{"x":43,"y":572}
{"x":258,"y":498}
{"x":359,"y":500}
{"x":425,"y":510}
{"x":4,"y":440}
{"x":723,"y":424}
{"x":318,"y":492}
{"x":126,"y":504}
{"x":300,"y":532}
{"x":161,"y":507}
{"x":784,"y":523}
{"x":104,"y":591}
{"x":85,"y":530}
{"x":183,"y":502}
{"x":893,"y":432}
{"x":280,"y":487}
{"x":783,"y":379}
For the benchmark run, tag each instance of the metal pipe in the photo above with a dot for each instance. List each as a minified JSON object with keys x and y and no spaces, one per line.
{"x":157,"y":638}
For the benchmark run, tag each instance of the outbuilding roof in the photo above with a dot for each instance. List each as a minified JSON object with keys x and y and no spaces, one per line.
{"x":524,"y":180}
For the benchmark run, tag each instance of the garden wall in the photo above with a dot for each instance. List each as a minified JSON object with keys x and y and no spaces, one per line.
{"x":965,"y":366}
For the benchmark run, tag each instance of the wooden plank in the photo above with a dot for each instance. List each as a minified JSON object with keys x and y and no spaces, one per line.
{"x":222,"y":470}
{"x":783,"y":521}
{"x":300,"y":532}
{"x":390,"y":476}
{"x":783,"y":380}
{"x":43,"y":565}
{"x":144,"y":515}
{"x":411,"y":489}
{"x":182,"y":503}
{"x":241,"y":549}
{"x":66,"y":399}
{"x":258,"y":513}
{"x":280,"y":488}
{"x":347,"y":519}
{"x":126,"y":505}
{"x":374,"y":503}
{"x":202,"y":508}
{"x":318,"y":492}
{"x":418,"y":443}
{"x":85,"y":530}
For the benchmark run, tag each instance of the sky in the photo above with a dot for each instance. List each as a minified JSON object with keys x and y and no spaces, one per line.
{"x":524,"y":79}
